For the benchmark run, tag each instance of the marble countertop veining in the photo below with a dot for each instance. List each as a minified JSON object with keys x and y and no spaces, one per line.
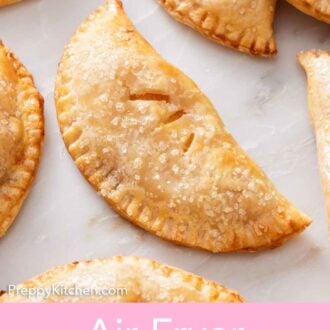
{"x":262,"y":102}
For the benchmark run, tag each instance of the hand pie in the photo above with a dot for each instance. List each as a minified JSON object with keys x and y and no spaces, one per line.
{"x":8,"y":2}
{"x":134,"y":279}
{"x":246,"y":25}
{"x":153,"y":146}
{"x":21,"y":135}
{"x":319,"y":9}
{"x":317,"y":66}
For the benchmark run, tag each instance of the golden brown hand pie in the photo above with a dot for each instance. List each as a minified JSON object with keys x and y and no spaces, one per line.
{"x":124,"y":279}
{"x":317,"y":66}
{"x":21,"y":135}
{"x":246,"y":25}
{"x":319,"y":9}
{"x":8,"y":2}
{"x":153,"y":146}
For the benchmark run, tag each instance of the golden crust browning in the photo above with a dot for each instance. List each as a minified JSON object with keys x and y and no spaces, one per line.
{"x":21,"y":135}
{"x":317,"y":66}
{"x":8,"y":2}
{"x":245,"y":25}
{"x":153,"y":146}
{"x":319,"y":9}
{"x":143,"y":280}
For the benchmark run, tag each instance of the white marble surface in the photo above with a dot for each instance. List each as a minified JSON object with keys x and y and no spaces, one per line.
{"x":263,"y":103}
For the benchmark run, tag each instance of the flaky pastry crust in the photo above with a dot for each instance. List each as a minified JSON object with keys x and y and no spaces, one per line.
{"x":246,"y":25}
{"x":143,"y":280}
{"x":153,"y":146}
{"x":21,"y":135}
{"x":317,"y":66}
{"x":319,"y":9}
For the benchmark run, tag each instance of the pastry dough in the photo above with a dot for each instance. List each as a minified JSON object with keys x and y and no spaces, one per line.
{"x":21,"y":133}
{"x":153,"y":146}
{"x":317,"y":66}
{"x":246,"y":25}
{"x":319,"y":9}
{"x":8,"y":2}
{"x":127,"y":279}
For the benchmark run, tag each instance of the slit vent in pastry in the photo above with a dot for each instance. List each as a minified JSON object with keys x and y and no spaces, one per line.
{"x":153,"y":146}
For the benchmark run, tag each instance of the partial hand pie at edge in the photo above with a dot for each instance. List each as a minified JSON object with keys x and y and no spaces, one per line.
{"x":140,"y":280}
{"x":8,"y":2}
{"x":317,"y":67}
{"x":246,"y":25}
{"x":21,"y":135}
{"x":319,"y":9}
{"x":153,"y":146}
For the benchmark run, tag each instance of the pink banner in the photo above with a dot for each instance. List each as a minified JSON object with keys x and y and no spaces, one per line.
{"x":166,"y":317}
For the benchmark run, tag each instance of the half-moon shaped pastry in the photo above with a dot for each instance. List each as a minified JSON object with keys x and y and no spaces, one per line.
{"x":246,"y":25}
{"x":8,"y":2}
{"x":319,"y":9}
{"x":21,"y":135}
{"x":317,"y":66}
{"x":154,"y":147}
{"x":122,"y":279}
